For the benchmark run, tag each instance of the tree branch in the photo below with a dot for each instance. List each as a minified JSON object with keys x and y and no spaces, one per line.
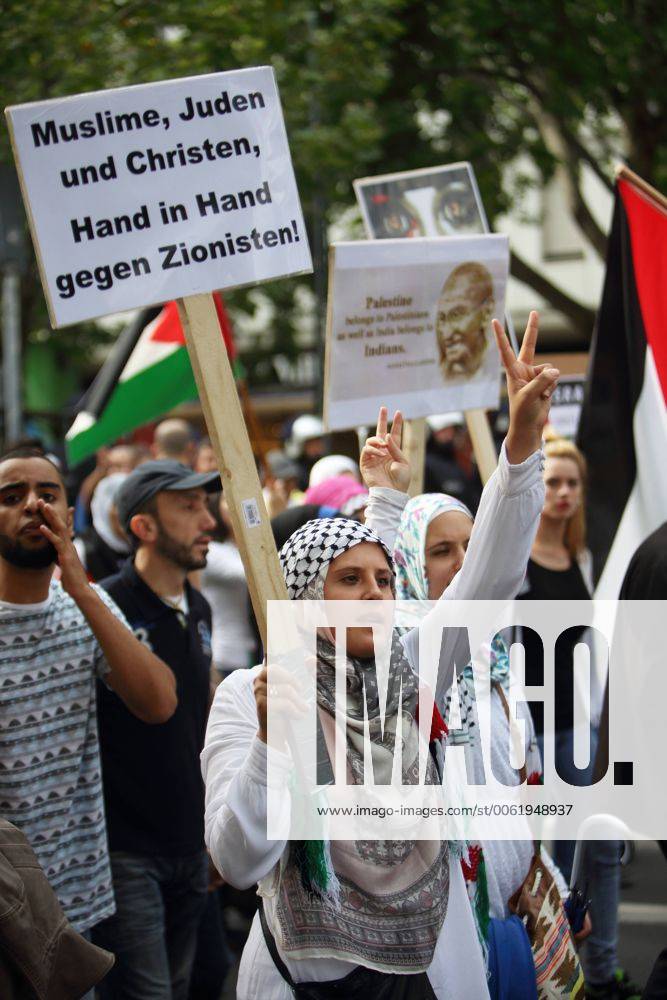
{"x":558,"y":142}
{"x":538,"y":92}
{"x":582,"y":154}
{"x":581,"y":212}
{"x":579,"y":315}
{"x":524,"y":79}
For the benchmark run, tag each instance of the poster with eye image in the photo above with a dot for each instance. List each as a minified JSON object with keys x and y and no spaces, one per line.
{"x":409,"y":326}
{"x":435,"y":201}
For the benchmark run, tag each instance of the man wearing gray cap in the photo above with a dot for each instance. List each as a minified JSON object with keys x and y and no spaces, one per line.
{"x":153,"y":790}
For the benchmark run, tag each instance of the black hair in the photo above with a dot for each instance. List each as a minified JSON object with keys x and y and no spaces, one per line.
{"x":221,"y":532}
{"x":29,"y":449}
{"x":149,"y":506}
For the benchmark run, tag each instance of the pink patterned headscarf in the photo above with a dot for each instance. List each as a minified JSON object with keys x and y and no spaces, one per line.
{"x":334,"y":492}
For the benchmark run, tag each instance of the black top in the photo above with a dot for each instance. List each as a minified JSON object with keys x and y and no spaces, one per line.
{"x":646,"y":576}
{"x":442,"y":474}
{"x":101,"y":559}
{"x":554,"y":585}
{"x":153,"y":789}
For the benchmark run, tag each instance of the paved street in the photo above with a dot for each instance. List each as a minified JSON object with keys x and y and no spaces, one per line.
{"x":643,"y":916}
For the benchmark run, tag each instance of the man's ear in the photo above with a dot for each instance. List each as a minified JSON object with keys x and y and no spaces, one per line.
{"x":143,"y":526}
{"x":69,"y":520}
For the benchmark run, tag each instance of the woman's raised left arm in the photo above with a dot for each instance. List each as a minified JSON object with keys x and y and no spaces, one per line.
{"x":386,"y":472}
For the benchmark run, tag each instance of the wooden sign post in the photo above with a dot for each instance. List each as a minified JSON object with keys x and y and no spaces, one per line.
{"x":414,"y":448}
{"x":483,"y":444}
{"x":229,"y":437}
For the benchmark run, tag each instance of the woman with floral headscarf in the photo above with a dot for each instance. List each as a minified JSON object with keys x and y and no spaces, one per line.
{"x":429,"y":550}
{"x":374,"y":915}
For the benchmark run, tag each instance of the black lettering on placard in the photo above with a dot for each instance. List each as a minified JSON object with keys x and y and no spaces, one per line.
{"x":172,"y":255}
{"x":47,"y":133}
{"x":182,"y":255}
{"x":89,"y":174}
{"x":90,"y":229}
{"x":101,"y":277}
{"x":173,"y":213}
{"x":139,"y":161}
{"x":220,"y":105}
{"x":232,"y":201}
{"x":130,"y":156}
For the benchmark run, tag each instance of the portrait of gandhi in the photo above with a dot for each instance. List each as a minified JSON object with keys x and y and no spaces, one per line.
{"x":465,"y":308}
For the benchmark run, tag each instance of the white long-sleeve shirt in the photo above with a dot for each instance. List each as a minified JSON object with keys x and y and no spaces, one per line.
{"x":223,"y":584}
{"x":498,"y":551}
{"x":234,"y":759}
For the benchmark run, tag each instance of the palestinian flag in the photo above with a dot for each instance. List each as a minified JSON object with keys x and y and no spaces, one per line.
{"x":146,"y":375}
{"x":623,"y":427}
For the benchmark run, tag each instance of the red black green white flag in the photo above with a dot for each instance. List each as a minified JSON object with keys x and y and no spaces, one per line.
{"x":146,"y":375}
{"x":623,"y":426}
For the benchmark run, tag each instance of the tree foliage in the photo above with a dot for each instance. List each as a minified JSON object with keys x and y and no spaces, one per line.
{"x":376,"y":85}
{"x":575,"y":83}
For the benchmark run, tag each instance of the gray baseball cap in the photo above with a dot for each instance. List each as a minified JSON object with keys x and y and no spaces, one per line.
{"x":281,"y":466}
{"x":154,"y":477}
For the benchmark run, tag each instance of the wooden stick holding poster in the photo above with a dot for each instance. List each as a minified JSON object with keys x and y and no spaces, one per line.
{"x":483,"y":444}
{"x":229,"y":436}
{"x":414,"y":447}
{"x":416,"y":431}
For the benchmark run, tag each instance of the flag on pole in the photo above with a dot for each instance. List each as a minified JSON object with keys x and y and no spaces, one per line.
{"x":146,"y":375}
{"x":623,"y":426}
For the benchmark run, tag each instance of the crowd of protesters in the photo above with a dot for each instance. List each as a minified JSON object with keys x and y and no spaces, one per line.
{"x":131,"y":666}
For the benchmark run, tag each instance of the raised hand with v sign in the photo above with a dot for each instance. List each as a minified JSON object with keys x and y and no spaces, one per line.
{"x":529,"y":388}
{"x":382,"y":463}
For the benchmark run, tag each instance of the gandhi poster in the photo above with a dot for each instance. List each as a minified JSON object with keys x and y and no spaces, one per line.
{"x":436,"y":201}
{"x":409,"y":325}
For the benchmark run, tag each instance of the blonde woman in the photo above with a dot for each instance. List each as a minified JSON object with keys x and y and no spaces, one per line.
{"x":560,"y":542}
{"x":560,"y":569}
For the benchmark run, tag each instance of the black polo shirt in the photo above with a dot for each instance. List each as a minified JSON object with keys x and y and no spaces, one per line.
{"x":153,"y":789}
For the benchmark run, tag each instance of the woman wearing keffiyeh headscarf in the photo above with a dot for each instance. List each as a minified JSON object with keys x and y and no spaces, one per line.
{"x":368,"y":909}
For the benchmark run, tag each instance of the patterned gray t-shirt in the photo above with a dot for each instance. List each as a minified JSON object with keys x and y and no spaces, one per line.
{"x":50,"y":775}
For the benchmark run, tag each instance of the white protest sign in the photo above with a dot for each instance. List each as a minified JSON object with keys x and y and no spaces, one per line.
{"x":409,"y":326}
{"x":566,"y":403}
{"x":160,"y":191}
